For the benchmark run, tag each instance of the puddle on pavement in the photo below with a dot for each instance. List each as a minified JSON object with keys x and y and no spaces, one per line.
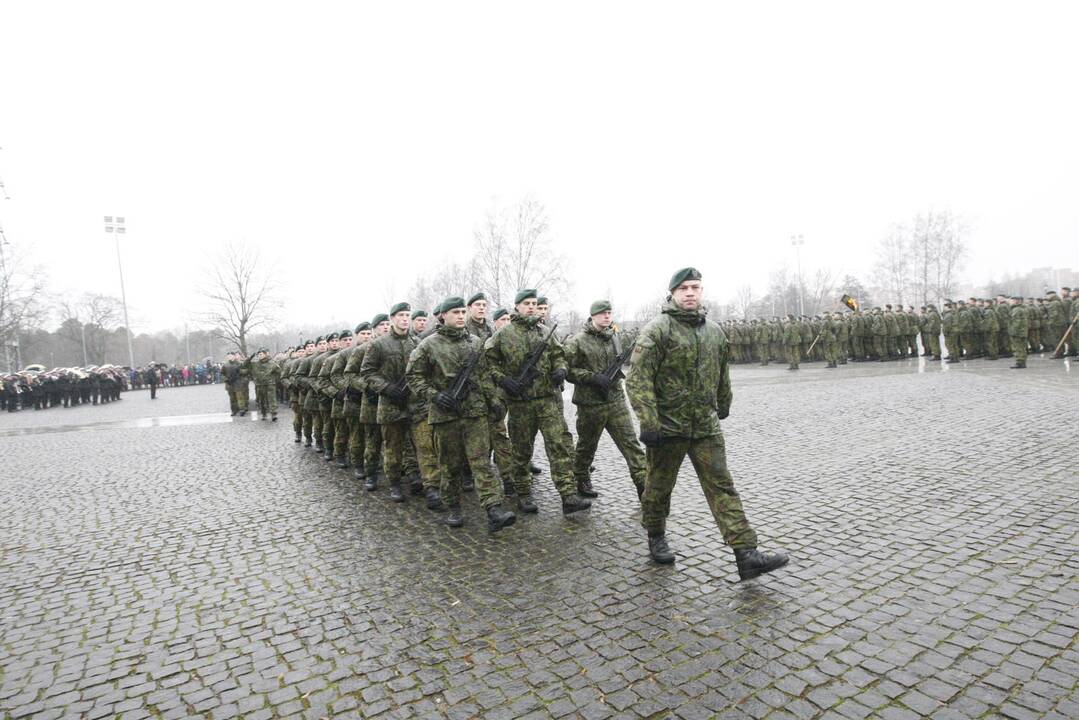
{"x":166,"y":421}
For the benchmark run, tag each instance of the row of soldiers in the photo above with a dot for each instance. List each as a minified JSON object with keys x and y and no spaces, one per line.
{"x":429,"y":401}
{"x":975,"y":328}
{"x":62,"y":387}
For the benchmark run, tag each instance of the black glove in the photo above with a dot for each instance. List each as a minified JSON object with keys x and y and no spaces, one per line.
{"x":445,"y":401}
{"x":600,"y":380}
{"x":651,"y":438}
{"x":396,"y":395}
{"x":558,"y":376}
{"x":724,"y":413}
{"x":512,"y":386}
{"x":340,"y":396}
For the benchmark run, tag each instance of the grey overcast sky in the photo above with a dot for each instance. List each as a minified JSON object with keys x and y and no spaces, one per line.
{"x":359,"y":143}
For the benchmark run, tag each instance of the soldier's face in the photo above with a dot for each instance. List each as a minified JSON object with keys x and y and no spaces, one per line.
{"x":688,"y":295}
{"x":502,"y":321}
{"x":527,"y":307}
{"x":383,"y":327}
{"x":455,"y":318}
{"x":346,"y":342}
{"x":602,"y":320}
{"x":322,"y":346}
{"x":363,"y":336}
{"x":541,"y":310}
{"x":420,"y":324}
{"x":401,"y":321}
{"x":478,"y":310}
{"x":335,"y":344}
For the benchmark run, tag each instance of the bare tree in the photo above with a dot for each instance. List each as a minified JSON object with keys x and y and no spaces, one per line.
{"x":450,"y":279}
{"x":893,"y":263}
{"x":514,"y":250}
{"x":21,"y":288}
{"x":242,"y":295}
{"x":821,"y":293}
{"x":743,"y":301}
{"x":950,"y":253}
{"x":89,"y":323}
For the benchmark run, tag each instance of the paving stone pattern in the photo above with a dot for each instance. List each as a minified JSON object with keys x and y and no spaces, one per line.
{"x":214,"y":569}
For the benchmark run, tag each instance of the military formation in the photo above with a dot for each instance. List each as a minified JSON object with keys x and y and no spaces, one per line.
{"x":437,"y":406}
{"x":990,"y":328}
{"x":62,"y":387}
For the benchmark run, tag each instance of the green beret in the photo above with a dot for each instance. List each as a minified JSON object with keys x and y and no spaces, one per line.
{"x":599,"y":306}
{"x":331,"y":336}
{"x":523,"y":295}
{"x":362,"y":326}
{"x":437,"y":310}
{"x":400,"y":307}
{"x":344,"y":334}
{"x":310,"y":342}
{"x":478,"y":296}
{"x":541,"y":300}
{"x":379,"y":319}
{"x":681,"y":276}
{"x":499,"y":313}
{"x":419,"y":314}
{"x":319,"y":339}
{"x":451,"y":303}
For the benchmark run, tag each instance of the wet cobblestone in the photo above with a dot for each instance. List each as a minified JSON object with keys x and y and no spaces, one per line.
{"x":210,"y":567}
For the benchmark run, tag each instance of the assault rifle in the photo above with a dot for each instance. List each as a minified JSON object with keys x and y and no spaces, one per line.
{"x":460,"y":388}
{"x":528,"y":373}
{"x":615,"y":368}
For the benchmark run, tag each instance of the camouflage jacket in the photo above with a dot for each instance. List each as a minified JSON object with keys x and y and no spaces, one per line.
{"x":589,"y":352}
{"x":481,"y":330}
{"x":383,"y":367}
{"x":358,"y":392}
{"x":342,"y":403}
{"x":792,"y":334}
{"x":680,"y":384}
{"x":510,"y":346}
{"x":234,"y":372}
{"x":314,"y":398}
{"x":264,"y":372}
{"x":990,"y":322}
{"x":1056,"y":313}
{"x":433,"y":367}
{"x":1019,"y":321}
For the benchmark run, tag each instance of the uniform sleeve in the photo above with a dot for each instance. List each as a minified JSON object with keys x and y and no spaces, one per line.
{"x":493,"y":354}
{"x":352,"y":372}
{"x":576,"y":364}
{"x":417,"y":372}
{"x":724,"y":395}
{"x":557,"y":353}
{"x":641,"y":381}
{"x":369,"y":371}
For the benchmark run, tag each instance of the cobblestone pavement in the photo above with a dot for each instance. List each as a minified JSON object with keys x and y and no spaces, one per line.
{"x":215,"y":569}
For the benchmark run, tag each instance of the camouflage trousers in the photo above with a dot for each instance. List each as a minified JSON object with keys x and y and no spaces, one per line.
{"x":239,"y":398}
{"x":951,"y":344}
{"x":831,"y":352}
{"x":427,"y":461}
{"x":340,"y":436}
{"x":372,"y":447}
{"x":709,"y":458}
{"x":312,"y":426}
{"x":327,"y":429}
{"x":500,"y":445}
{"x":541,"y":415}
{"x":266,"y":399}
{"x":614,"y":417}
{"x":991,"y":345}
{"x":762,"y":353}
{"x":794,"y":355}
{"x":356,"y":439}
{"x":396,"y":442}
{"x":880,"y":349}
{"x":470,"y":438}
{"x":297,"y":416}
{"x":1019,"y":347}
{"x":857,"y":347}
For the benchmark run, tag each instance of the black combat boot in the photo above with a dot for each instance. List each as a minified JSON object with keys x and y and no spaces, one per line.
{"x":371,"y":483}
{"x":752,"y":562}
{"x":454,"y":518}
{"x":659,"y":550}
{"x":415,"y":486}
{"x":508,"y":489}
{"x":1019,"y":366}
{"x":358,"y":473}
{"x":497,"y":518}
{"x":468,"y":483}
{"x":396,"y":494}
{"x":434,"y":501}
{"x":329,"y":455}
{"x":342,"y":462}
{"x":299,"y":438}
{"x":242,"y":413}
{"x":533,"y":469}
{"x":318,"y":446}
{"x":273,"y":418}
{"x":526,"y":504}
{"x":574,"y":503}
{"x":585,"y":489}
{"x":307,"y":443}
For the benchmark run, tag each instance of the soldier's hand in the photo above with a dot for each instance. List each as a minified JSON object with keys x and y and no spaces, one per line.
{"x":445,"y":401}
{"x":724,"y":414}
{"x":512,"y":386}
{"x":558,"y":376}
{"x":651,"y":438}
{"x":600,"y":380}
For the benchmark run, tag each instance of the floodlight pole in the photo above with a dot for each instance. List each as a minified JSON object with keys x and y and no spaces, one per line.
{"x":118,"y":229}
{"x":798,"y":242}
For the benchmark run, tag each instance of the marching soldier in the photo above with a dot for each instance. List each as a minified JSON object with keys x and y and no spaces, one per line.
{"x":600,"y":399}
{"x":372,"y":444}
{"x":680,"y":389}
{"x":265,"y":374}
{"x":459,"y":420}
{"x":527,"y":364}
{"x":1019,"y":330}
{"x":478,"y":326}
{"x":383,"y":370}
{"x":332,"y":383}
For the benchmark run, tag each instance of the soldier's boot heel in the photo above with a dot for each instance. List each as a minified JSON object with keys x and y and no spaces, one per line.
{"x":299,"y":438}
{"x":396,"y":494}
{"x":434,"y":501}
{"x":752,"y":562}
{"x":342,"y":462}
{"x":371,"y":483}
{"x":574,"y":503}
{"x":526,"y":504}
{"x":659,"y":550}
{"x":454,"y":518}
{"x":415,"y":486}
{"x":585,"y":489}
{"x":358,"y":473}
{"x":533,"y":469}
{"x":497,"y":518}
{"x":329,"y":455}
